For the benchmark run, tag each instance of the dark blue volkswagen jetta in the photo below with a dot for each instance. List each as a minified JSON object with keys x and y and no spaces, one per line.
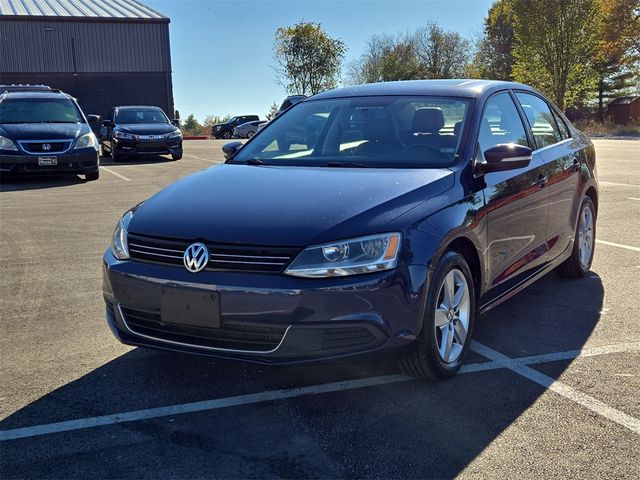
{"x":382,"y":217}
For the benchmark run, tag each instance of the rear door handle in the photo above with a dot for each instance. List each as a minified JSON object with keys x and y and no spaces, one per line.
{"x":542,"y":180}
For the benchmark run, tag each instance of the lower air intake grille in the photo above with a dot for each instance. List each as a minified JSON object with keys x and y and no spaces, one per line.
{"x":232,"y":336}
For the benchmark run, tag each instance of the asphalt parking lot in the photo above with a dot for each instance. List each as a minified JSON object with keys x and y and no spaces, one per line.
{"x":551,"y":389}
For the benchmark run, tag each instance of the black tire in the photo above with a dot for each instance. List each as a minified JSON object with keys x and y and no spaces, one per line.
{"x":250,"y":133}
{"x":115,"y":156}
{"x":226,"y":134}
{"x":105,"y":151}
{"x":176,"y":156}
{"x":574,"y":267}
{"x":89,"y":177}
{"x":423,"y":359}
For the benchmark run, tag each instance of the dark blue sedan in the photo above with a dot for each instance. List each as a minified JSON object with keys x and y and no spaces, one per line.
{"x":374,"y":219}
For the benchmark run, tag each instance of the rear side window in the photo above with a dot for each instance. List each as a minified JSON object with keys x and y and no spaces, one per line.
{"x":543,"y":125}
{"x":564,"y":130}
{"x":500,"y":123}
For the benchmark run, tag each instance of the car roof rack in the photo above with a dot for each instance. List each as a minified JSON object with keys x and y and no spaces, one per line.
{"x":27,"y":88}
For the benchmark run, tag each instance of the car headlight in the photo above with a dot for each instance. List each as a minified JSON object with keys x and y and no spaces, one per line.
{"x":7,"y":144}
{"x":348,"y":257}
{"x":125,"y":136}
{"x":86,"y":141}
{"x":176,"y":134}
{"x":119,"y":244}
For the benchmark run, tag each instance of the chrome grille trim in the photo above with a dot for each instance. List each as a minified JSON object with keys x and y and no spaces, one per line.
{"x":67,"y":142}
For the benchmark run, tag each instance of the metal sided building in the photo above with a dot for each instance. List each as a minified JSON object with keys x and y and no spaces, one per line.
{"x":103,"y":52}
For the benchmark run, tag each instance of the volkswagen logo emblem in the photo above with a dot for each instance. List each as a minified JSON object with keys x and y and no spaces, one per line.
{"x":46,"y":147}
{"x":196,"y":257}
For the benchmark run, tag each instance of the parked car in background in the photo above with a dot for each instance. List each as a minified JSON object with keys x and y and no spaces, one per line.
{"x":43,"y":130}
{"x":140,"y":130}
{"x":289,"y":102}
{"x":225,"y":130}
{"x":376,"y":218}
{"x":248,"y":130}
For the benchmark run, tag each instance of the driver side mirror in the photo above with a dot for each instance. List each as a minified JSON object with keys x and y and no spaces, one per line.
{"x":231,"y":148}
{"x":93,"y":118}
{"x":107,"y":123}
{"x":505,"y":156}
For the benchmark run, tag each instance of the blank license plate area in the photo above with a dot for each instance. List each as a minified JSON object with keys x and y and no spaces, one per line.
{"x":47,"y":161}
{"x":190,"y":308}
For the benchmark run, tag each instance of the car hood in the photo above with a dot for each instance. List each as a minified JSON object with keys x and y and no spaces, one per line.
{"x":146,"y":128}
{"x":287,"y":206}
{"x":43,"y":131}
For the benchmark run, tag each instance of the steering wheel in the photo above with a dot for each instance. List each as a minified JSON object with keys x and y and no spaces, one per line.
{"x":418,"y":147}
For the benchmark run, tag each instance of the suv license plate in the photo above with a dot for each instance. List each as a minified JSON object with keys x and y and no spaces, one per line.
{"x":47,"y":161}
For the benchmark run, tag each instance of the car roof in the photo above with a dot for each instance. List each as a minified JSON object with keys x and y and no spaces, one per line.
{"x":131,"y":107}
{"x":35,"y":94}
{"x":448,"y":88}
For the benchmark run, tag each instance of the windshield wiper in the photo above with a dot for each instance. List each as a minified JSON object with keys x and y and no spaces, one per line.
{"x":347,"y":165}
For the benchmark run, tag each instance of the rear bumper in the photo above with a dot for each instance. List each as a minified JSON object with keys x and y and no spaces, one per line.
{"x":267,"y":318}
{"x":164,"y":147}
{"x":83,"y":161}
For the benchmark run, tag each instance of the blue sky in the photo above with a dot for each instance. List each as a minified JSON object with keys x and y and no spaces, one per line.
{"x":222,"y":49}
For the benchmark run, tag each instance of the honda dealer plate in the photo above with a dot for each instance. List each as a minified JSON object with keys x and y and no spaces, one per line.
{"x":47,"y":161}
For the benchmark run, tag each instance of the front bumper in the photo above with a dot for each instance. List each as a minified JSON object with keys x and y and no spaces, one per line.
{"x":160,"y":147}
{"x":81,"y":161}
{"x":266,"y":318}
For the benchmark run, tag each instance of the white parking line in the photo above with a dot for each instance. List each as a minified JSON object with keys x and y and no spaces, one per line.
{"x":560,"y":388}
{"x":619,"y":245}
{"x":633,"y":198}
{"x":499,"y":361}
{"x":201,"y":158}
{"x":616,"y":184}
{"x":115,"y":173}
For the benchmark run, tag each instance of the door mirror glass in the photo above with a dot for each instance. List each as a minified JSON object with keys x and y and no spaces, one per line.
{"x":93,"y":118}
{"x":506,"y":156}
{"x":107,"y":123}
{"x":231,"y":148}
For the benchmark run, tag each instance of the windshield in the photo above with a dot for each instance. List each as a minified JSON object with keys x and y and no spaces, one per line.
{"x":143,"y":115}
{"x":387,"y":132}
{"x":39,"y":110}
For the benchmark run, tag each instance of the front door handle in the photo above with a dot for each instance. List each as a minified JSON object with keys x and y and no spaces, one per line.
{"x":542,"y":180}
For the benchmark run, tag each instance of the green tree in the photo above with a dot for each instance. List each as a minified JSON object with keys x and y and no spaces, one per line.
{"x":273,"y":109}
{"x":441,"y":53}
{"x":616,"y":58}
{"x":308,"y":60}
{"x":494,"y":55}
{"x":554,"y":44}
{"x":191,"y":125}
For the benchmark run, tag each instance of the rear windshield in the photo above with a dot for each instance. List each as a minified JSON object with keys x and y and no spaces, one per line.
{"x":39,"y":110}
{"x":387,"y":132}
{"x":143,"y":115}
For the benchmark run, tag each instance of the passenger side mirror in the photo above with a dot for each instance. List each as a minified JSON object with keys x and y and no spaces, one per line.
{"x":175,"y":122}
{"x":505,"y":156}
{"x":231,"y":148}
{"x":107,"y":123}
{"x":93,"y":118}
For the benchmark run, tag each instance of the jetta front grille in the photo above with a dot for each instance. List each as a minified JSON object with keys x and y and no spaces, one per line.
{"x":246,"y":258}
{"x":236,"y":336}
{"x":45,"y":147}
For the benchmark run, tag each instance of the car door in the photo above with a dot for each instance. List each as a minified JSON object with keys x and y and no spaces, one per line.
{"x":562,"y":159}
{"x":516,"y":202}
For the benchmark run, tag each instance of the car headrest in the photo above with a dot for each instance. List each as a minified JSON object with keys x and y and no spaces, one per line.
{"x":378,"y":129}
{"x":457,"y":128}
{"x":428,"y":120}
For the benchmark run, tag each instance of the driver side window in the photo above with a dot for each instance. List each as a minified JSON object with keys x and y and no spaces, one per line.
{"x":500,"y":123}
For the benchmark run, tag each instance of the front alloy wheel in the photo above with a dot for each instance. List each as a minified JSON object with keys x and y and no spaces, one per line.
{"x":449,"y":315}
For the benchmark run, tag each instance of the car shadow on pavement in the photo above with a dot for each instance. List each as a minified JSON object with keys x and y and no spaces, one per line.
{"x":409,"y":429}
{"x":38,"y":182}
{"x":107,"y":162}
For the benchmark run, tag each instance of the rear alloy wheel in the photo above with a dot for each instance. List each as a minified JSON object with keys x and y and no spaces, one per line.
{"x":250,"y":134}
{"x":579,"y":263}
{"x":448,"y":322}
